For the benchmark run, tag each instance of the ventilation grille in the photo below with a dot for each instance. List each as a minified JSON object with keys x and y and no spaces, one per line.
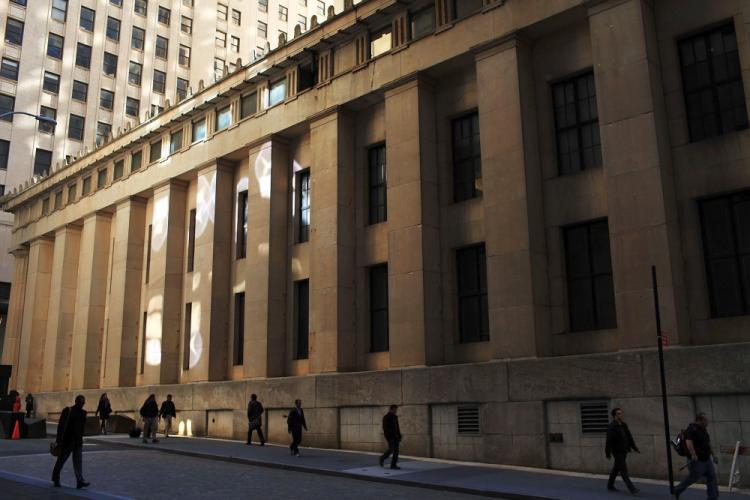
{"x":468,"y":419}
{"x":594,"y":417}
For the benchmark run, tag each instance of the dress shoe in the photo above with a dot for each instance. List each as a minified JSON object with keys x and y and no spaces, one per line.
{"x":82,"y":484}
{"x":56,"y":483}
{"x":395,"y":467}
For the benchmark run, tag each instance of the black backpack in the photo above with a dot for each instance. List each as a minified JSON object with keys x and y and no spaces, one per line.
{"x":679,"y":445}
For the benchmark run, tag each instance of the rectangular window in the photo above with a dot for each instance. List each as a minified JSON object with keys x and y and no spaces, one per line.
{"x":591,"y":297}
{"x":184,"y":56}
{"x":725,"y":223}
{"x":22,"y":3}
{"x":187,"y":3}
{"x":380,"y":42}
{"x":263,"y":5}
{"x":45,"y":206}
{"x":87,"y":19}
{"x":238,"y":343}
{"x":712,"y":83}
{"x":86,"y":186}
{"x":471,"y":278}
{"x":423,"y":22}
{"x":83,"y":56}
{"x":148,"y":251}
{"x":162,"y":47}
{"x":577,"y":124}
{"x":262,"y":29}
{"x":80,"y":91}
{"x":42,"y":161}
{"x":113,"y":29}
{"x":302,"y":306}
{"x":51,"y":82}
{"x":9,"y":69}
{"x":14,"y":31}
{"x":186,"y":25}
{"x":463,"y":8}
{"x":4,"y":151}
{"x":283,"y":13}
{"x":248,"y":105}
{"x":199,"y":130}
{"x":116,"y":3}
{"x":241,"y":249}
{"x":55,"y":46}
{"x":118,"y":170}
{"x":156,"y":109}
{"x":182,"y":89}
{"x":379,"y":308}
{"x":218,"y":68}
{"x":235,"y":44}
{"x":135,"y":160}
{"x":222,"y":12}
{"x":160,"y":81}
{"x":191,"y":242}
{"x":134,"y":73}
{"x":75,"y":127}
{"x":47,"y":127}
{"x":303,"y":206}
{"x":154,"y":152}
{"x":59,"y":10}
{"x":277,"y":92}
{"x":377,"y":185}
{"x":221,"y":39}
{"x":302,"y":22}
{"x":109,"y":65}
{"x":140,"y":7}
{"x":132,"y":106}
{"x":137,"y":38}
{"x":236,"y":17}
{"x":164,"y":15}
{"x":71,"y":193}
{"x":175,"y":141}
{"x":321,"y":5}
{"x":103,"y":132}
{"x":467,"y":158}
{"x":188,"y":320}
{"x":7,"y":105}
{"x":223,"y":118}
{"x":101,"y":178}
{"x":106,"y":99}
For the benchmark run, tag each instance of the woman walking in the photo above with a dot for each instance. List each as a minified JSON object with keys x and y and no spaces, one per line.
{"x":104,"y":410}
{"x":150,"y":414}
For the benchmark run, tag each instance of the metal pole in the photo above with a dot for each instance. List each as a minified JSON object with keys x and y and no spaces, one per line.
{"x":664,"y":405}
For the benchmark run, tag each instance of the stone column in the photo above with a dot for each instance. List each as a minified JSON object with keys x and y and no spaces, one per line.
{"x":11,"y":348}
{"x":643,"y":218}
{"x":34,"y":329}
{"x":211,"y":283}
{"x":517,"y":290}
{"x":332,"y":243}
{"x":121,"y":347}
{"x":266,"y":262}
{"x":164,"y":287}
{"x":62,"y":309}
{"x":90,"y":303}
{"x":414,"y":301}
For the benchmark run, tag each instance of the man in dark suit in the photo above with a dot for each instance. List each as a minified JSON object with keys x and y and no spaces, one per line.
{"x":70,"y":436}
{"x":255,"y":422}
{"x":619,"y":443}
{"x":392,"y":433}
{"x":295,"y":422}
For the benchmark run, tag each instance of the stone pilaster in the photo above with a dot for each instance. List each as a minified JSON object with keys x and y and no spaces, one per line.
{"x":164,"y":287}
{"x":88,"y":330}
{"x":643,"y":218}
{"x":15,"y":312}
{"x":213,"y":250}
{"x":332,"y":243}
{"x":518,"y":295}
{"x":62,"y":309}
{"x":266,"y":262}
{"x":414,"y":302}
{"x":34,"y":328}
{"x":121,"y":346}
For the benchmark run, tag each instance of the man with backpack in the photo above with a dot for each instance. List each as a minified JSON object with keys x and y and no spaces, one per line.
{"x":697,"y":447}
{"x":619,"y":443}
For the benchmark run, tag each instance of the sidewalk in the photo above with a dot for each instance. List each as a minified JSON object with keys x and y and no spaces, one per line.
{"x":479,"y":479}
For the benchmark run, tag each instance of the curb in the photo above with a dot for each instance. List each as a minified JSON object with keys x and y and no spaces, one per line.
{"x":328,"y":472}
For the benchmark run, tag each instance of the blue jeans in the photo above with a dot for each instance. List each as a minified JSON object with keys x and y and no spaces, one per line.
{"x":698,"y":469}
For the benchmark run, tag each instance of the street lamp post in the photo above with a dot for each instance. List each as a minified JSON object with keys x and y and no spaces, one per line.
{"x":44,"y":119}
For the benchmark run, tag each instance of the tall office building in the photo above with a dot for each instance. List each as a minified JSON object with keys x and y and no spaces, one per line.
{"x":99,"y":66}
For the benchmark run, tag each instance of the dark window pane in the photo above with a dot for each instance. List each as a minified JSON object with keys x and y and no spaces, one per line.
{"x":473,"y":318}
{"x":302,"y":305}
{"x":467,"y":173}
{"x":379,"y":308}
{"x":576,"y":124}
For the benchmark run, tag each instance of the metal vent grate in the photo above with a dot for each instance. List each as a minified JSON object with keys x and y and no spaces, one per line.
{"x":594,"y":417}
{"x":468,"y":419}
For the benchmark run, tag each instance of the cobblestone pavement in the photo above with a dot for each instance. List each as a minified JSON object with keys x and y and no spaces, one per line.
{"x":153,"y":474}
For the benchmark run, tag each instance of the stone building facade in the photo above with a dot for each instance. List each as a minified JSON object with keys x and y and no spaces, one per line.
{"x":453,"y":206}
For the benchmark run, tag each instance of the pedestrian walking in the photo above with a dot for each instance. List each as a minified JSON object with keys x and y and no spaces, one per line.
{"x":15,"y":419}
{"x":30,"y":406}
{"x":254,"y":420}
{"x":150,"y":414}
{"x":295,"y":422}
{"x":392,"y":433}
{"x":70,"y":441}
{"x":103,"y":410}
{"x":167,"y":412}
{"x":701,"y":460}
{"x":619,"y":443}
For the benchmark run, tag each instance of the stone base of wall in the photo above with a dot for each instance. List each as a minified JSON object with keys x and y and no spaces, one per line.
{"x":521,"y":403}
